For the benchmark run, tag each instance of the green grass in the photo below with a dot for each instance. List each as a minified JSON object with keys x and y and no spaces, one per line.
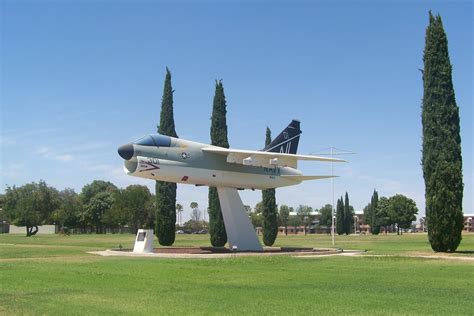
{"x":55,"y":275}
{"x":390,"y":244}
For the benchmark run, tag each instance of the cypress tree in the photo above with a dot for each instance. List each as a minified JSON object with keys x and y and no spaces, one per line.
{"x":340,"y":216}
{"x":441,"y":160}
{"x":348,"y":215}
{"x":374,"y":225}
{"x":218,"y":138}
{"x":270,"y":224}
{"x":368,"y":214}
{"x":166,"y":191}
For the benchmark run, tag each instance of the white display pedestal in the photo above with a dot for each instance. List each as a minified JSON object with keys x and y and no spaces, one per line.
{"x":241,"y":234}
{"x":144,"y":241}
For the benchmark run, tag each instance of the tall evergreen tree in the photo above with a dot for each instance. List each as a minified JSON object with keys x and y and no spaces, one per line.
{"x":340,"y":216}
{"x":270,"y":221}
{"x":367,"y":214}
{"x":374,"y":225}
{"x":166,"y":191}
{"x":218,"y":138}
{"x":370,"y":214}
{"x":348,"y":215}
{"x":442,"y":160}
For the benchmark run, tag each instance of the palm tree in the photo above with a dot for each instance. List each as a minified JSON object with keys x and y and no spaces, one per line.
{"x":179,"y":210}
{"x":194,"y":206}
{"x":196,"y":216}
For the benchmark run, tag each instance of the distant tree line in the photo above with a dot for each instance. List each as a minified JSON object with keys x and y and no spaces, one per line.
{"x":99,"y":206}
{"x":285,"y":216}
{"x":288,"y":216}
{"x":397,"y":212}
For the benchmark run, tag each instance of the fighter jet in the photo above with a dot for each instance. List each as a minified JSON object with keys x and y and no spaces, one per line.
{"x":171,"y":159}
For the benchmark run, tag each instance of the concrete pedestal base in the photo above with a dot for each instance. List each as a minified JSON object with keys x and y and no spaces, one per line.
{"x":241,"y":234}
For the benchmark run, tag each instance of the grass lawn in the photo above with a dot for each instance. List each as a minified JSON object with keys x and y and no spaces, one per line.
{"x":55,"y":275}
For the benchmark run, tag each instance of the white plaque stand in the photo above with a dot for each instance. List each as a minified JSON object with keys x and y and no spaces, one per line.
{"x":144,"y":241}
{"x":240,"y":231}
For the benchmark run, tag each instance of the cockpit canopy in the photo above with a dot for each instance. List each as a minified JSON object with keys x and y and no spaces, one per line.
{"x":154,"y":140}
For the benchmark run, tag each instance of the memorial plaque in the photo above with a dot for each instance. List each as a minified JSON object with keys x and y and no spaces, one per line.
{"x":144,"y":241}
{"x":141,"y":236}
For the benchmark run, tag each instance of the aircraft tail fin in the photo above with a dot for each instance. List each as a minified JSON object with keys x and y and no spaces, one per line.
{"x":287,"y":141}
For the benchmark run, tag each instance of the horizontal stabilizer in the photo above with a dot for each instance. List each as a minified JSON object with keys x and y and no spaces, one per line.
{"x":264,"y":158}
{"x":304,"y":178}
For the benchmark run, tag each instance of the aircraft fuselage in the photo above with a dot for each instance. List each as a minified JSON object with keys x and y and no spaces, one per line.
{"x":183,"y":161}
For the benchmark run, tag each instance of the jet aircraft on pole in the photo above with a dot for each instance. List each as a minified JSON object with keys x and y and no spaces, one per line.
{"x":171,"y":159}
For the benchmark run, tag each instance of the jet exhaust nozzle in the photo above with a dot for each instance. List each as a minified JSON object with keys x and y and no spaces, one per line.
{"x":126,"y":151}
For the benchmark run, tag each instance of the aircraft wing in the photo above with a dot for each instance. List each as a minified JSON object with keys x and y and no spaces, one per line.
{"x":264,"y":158}
{"x":305,"y":178}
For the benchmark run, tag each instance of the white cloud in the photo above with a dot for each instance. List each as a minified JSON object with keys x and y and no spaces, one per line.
{"x":13,"y":170}
{"x":64,"y":158}
{"x":91,"y":166}
{"x":48,"y":153}
{"x":43,"y":151}
{"x":7,"y":141}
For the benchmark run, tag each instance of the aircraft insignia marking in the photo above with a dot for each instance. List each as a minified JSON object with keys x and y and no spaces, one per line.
{"x":149,"y":167}
{"x":184,"y":155}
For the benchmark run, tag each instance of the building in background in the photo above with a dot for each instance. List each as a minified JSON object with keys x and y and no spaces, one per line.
{"x":468,"y":223}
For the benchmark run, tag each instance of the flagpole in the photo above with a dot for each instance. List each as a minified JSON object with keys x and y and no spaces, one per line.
{"x":332,"y":208}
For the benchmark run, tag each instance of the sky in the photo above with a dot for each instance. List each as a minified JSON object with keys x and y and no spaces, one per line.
{"x":80,"y":78}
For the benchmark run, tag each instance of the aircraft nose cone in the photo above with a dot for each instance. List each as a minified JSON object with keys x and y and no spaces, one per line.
{"x":126,"y":151}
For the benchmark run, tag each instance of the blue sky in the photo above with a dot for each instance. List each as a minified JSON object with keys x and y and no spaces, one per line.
{"x":81,"y":78}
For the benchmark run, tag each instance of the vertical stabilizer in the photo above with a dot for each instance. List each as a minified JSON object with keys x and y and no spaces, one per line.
{"x":287,"y":141}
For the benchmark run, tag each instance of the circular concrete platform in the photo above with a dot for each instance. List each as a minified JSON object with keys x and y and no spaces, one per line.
{"x":217,"y":252}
